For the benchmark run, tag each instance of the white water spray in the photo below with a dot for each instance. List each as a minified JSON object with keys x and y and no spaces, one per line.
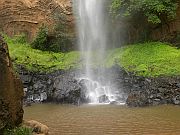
{"x":92,"y":27}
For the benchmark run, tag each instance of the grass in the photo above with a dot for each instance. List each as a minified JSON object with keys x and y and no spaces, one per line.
{"x":18,"y":131}
{"x":41,"y":61}
{"x":148,"y":59}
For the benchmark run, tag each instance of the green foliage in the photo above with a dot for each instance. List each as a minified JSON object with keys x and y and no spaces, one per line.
{"x":62,"y":41}
{"x":41,"y":61}
{"x":22,"y":39}
{"x":148,"y":59}
{"x":18,"y":131}
{"x":152,"y":9}
{"x":40,"y":42}
{"x":58,"y":41}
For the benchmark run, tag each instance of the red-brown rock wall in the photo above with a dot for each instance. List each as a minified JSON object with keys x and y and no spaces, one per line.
{"x":11,"y":91}
{"x":26,"y":16}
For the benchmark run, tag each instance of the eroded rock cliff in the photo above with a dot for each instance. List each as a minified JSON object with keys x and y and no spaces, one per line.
{"x":26,"y":16}
{"x":138,"y":29}
{"x":11,"y":91}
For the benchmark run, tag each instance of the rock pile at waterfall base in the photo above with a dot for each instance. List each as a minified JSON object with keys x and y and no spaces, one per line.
{"x":58,"y":87}
{"x":11,"y":92}
{"x":155,"y":91}
{"x":63,"y":87}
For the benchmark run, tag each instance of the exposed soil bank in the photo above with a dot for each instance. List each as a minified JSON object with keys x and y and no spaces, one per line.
{"x":64,"y":87}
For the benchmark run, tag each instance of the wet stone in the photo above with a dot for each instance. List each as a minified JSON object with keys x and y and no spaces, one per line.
{"x":103,"y":99}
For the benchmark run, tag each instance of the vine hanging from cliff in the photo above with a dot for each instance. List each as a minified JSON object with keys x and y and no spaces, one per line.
{"x":153,"y":10}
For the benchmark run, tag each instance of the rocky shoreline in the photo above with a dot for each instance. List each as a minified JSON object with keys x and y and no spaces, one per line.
{"x":64,"y":87}
{"x":154,"y":91}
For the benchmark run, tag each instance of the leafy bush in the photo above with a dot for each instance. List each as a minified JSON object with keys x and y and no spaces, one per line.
{"x":58,"y":41}
{"x":154,"y":10}
{"x":18,"y":131}
{"x":40,"y":42}
{"x":62,"y":41}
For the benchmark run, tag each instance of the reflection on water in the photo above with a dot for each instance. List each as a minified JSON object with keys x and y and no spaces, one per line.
{"x":106,"y":119}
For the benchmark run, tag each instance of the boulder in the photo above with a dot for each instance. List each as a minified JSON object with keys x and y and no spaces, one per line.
{"x":11,"y":91}
{"x":114,"y":103}
{"x":103,"y":99}
{"x":176,"y":100}
{"x":37,"y":127}
{"x":136,"y":99}
{"x":68,"y":90}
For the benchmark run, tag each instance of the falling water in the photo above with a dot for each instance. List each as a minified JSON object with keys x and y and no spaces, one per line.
{"x":92,"y":24}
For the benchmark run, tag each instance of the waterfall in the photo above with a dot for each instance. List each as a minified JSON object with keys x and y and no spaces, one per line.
{"x":92,"y":25}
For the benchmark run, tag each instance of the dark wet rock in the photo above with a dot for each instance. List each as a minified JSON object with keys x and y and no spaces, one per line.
{"x":176,"y":100}
{"x":65,"y":87}
{"x":156,"y":102}
{"x":155,"y":91}
{"x":137,"y":98}
{"x":178,"y":85}
{"x":114,"y":103}
{"x":103,"y":99}
{"x":27,"y":103}
{"x":59,"y":87}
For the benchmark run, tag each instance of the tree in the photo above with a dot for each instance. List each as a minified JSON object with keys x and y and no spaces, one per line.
{"x":154,"y":10}
{"x":41,"y":40}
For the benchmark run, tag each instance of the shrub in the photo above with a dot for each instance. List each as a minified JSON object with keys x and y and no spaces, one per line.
{"x":61,"y":41}
{"x":58,"y":41}
{"x":18,"y":131}
{"x":154,"y":10}
{"x":40,"y":42}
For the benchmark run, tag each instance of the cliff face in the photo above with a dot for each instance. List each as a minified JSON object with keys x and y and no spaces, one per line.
{"x":11,"y":91}
{"x":168,"y":31}
{"x":138,"y":29}
{"x":26,"y":16}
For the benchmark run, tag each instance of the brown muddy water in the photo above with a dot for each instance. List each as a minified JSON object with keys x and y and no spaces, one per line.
{"x":106,"y":119}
